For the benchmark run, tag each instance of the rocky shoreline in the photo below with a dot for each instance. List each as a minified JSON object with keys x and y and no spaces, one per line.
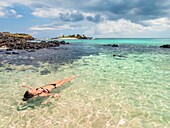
{"x":18,"y":41}
{"x":30,"y":45}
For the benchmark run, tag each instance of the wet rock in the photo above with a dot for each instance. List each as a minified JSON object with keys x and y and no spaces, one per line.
{"x":30,"y":50}
{"x":8,"y":69}
{"x":115,"y":45}
{"x":45,"y":72}
{"x":9,"y":49}
{"x":8,"y":52}
{"x":1,"y":65}
{"x":30,"y":45}
{"x":14,"y":53}
{"x":118,"y":55}
{"x":56,"y":48}
{"x":165,"y":46}
{"x":63,"y":42}
{"x":112,"y":45}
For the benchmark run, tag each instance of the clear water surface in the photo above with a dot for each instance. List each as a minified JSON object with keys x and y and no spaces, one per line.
{"x":128,"y":90}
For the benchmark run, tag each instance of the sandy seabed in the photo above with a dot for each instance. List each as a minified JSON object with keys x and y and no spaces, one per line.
{"x":109,"y":92}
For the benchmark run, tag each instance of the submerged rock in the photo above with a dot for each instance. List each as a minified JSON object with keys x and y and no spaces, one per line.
{"x":9,"y":49}
{"x":1,"y":65}
{"x":8,"y":69}
{"x":44,"y":72}
{"x":29,"y":45}
{"x":30,"y":50}
{"x":165,"y":46}
{"x":112,"y":45}
{"x":63,"y":42}
{"x":115,"y":45}
{"x":119,"y":55}
{"x":14,"y":53}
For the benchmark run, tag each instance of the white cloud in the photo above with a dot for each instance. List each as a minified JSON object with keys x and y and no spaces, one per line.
{"x":4,"y":4}
{"x":14,"y":13}
{"x":69,"y":11}
{"x":160,"y":24}
{"x":8,"y":3}
{"x":19,"y":16}
{"x":48,"y":12}
{"x":4,"y":12}
{"x":9,"y":13}
{"x":107,"y":28}
{"x":49,"y":27}
{"x":120,"y":26}
{"x":67,"y":15}
{"x":126,"y":27}
{"x":55,"y":12}
{"x":41,"y":28}
{"x":157,"y":22}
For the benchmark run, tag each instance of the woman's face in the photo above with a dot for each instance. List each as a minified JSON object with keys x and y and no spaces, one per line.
{"x":32,"y":91}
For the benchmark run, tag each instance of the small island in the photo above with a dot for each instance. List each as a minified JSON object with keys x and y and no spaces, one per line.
{"x":78,"y":36}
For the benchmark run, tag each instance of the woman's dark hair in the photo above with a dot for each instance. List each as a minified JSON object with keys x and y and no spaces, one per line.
{"x":27,"y":95}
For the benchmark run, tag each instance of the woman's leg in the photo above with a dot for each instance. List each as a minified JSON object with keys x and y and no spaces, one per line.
{"x":61,"y":82}
{"x":65,"y":81}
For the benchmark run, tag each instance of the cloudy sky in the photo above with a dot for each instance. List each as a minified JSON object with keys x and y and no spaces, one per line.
{"x":97,"y":18}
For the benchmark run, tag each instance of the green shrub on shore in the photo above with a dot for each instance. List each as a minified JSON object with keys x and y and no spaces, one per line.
{"x":78,"y":36}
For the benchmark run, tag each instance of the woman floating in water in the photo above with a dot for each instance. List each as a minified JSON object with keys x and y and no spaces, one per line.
{"x":45,"y":90}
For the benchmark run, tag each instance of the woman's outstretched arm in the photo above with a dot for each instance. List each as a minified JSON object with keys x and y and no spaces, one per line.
{"x":25,"y":86}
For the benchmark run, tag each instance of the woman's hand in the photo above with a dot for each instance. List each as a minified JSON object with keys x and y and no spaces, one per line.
{"x":56,"y":96}
{"x":25,"y":86}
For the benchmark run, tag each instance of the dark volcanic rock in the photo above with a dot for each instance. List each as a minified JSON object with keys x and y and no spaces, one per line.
{"x":165,"y":46}
{"x":118,"y":55}
{"x":54,"y":55}
{"x":8,"y":52}
{"x":9,"y":49}
{"x":30,"y":50}
{"x":112,"y":45}
{"x":29,"y":45}
{"x":1,"y":65}
{"x":14,"y":53}
{"x":44,"y":72}
{"x":8,"y":69}
{"x":63,"y":42}
{"x":115,"y":45}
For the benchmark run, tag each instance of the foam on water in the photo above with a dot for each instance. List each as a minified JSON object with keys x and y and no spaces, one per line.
{"x":110,"y":91}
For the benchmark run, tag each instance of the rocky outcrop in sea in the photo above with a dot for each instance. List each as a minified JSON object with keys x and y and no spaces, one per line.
{"x":10,"y":42}
{"x":165,"y":46}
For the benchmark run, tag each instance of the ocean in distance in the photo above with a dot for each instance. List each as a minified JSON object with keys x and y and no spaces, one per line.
{"x":140,"y":41}
{"x":130,"y":89}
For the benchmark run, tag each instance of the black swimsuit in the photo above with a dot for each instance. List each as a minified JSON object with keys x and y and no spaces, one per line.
{"x":52,"y":85}
{"x":45,"y":90}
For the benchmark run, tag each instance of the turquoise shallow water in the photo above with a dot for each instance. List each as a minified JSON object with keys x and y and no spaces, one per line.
{"x":139,"y":41}
{"x":110,"y":91}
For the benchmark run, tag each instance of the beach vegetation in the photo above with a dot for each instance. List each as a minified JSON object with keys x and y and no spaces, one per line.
{"x":77,"y":36}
